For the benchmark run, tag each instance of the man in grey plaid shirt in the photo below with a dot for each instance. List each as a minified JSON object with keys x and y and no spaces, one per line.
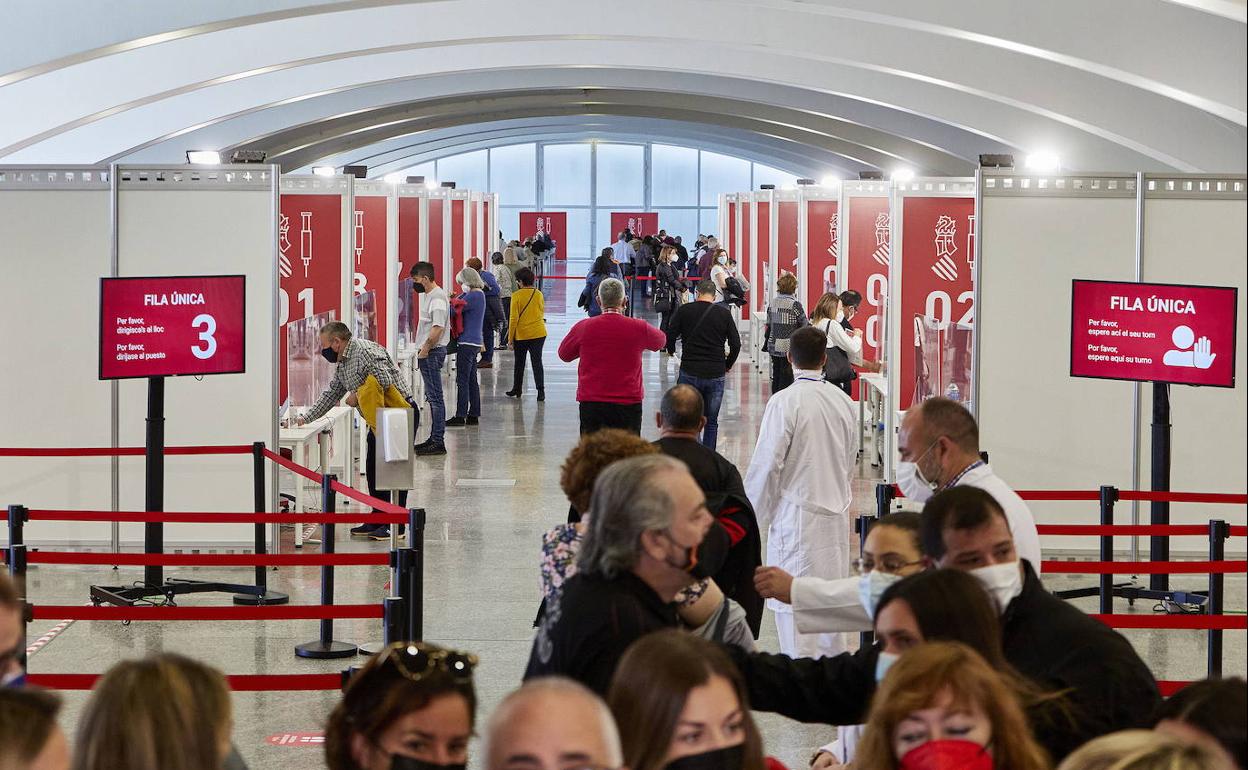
{"x":356,"y":359}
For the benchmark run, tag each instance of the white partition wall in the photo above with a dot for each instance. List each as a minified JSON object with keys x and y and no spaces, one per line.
{"x":1195,"y":231}
{"x":1042,"y":428}
{"x":55,"y":245}
{"x":188,"y":221}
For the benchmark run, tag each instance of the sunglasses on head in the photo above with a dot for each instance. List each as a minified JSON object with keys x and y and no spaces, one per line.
{"x":415,"y":661}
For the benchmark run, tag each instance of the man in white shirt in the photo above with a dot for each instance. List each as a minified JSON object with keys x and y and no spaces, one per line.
{"x":799,"y":482}
{"x":431,"y":336}
{"x":939,"y":448}
{"x":624,"y":252}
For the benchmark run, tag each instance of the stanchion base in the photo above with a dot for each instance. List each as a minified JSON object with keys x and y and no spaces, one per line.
{"x":319,"y":650}
{"x":372,"y":648}
{"x":254,"y":600}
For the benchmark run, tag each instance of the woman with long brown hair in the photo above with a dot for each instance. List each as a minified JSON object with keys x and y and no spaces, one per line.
{"x":941,"y":705}
{"x":680,"y":704}
{"x":412,"y":706}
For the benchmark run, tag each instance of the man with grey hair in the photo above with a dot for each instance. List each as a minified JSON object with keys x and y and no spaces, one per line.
{"x":643,"y":545}
{"x":549,"y":724}
{"x":609,"y":346}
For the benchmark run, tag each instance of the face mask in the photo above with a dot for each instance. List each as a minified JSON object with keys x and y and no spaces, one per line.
{"x":912,"y":482}
{"x":731,"y":758}
{"x":419,"y":288}
{"x":883,"y":663}
{"x":871,"y":587}
{"x":947,"y":755}
{"x":1003,"y":581}
{"x":330,"y":355}
{"x":839,"y":316}
{"x":465,"y":287}
{"x":408,"y":763}
{"x":16,"y":680}
{"x":234,"y":761}
{"x":722,"y":260}
{"x":708,"y":557}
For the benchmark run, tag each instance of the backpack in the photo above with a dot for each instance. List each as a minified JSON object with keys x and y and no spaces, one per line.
{"x":734,"y":293}
{"x":457,"y":305}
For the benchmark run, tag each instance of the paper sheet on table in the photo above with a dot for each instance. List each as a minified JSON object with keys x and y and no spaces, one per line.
{"x":392,"y":425}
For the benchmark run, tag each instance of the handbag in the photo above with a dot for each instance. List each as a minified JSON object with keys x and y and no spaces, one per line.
{"x":837,"y":368}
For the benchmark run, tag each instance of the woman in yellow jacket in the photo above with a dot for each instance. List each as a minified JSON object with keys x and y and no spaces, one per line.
{"x":527,"y":333}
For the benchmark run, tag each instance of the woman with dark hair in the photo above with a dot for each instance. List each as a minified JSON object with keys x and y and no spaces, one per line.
{"x":526,"y":332}
{"x":29,"y":736}
{"x":604,"y":267}
{"x":412,"y":707}
{"x":669,"y":291}
{"x":680,"y":704}
{"x":1213,"y":714}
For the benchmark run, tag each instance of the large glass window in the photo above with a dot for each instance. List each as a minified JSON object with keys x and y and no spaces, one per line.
{"x":682,"y":222}
{"x":565,"y":175}
{"x":467,"y":170}
{"x":509,"y":221}
{"x":768,"y":175}
{"x":579,"y":236}
{"x":513,"y":174}
{"x":621,"y":175}
{"x":709,"y":223}
{"x":673,"y":176}
{"x":723,"y":174}
{"x":603,"y":237}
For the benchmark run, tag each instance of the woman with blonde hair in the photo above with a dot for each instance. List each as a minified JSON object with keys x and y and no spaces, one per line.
{"x":164,"y":712}
{"x":1143,"y":750}
{"x":669,"y":289}
{"x":942,"y":707}
{"x":844,"y":347}
{"x":681,"y":704}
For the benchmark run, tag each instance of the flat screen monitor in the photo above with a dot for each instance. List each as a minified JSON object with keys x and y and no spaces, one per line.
{"x":172,"y":325}
{"x":1153,"y":332}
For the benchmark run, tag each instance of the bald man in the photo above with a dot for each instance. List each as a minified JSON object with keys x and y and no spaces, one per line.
{"x":549,"y":724}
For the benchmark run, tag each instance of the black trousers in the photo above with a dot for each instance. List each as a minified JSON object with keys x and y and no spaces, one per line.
{"x":596,"y":415}
{"x":781,"y":373}
{"x":533,"y":349}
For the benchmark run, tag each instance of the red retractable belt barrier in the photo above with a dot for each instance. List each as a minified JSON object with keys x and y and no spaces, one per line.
{"x":338,"y":486}
{"x":1169,"y":687}
{"x":1073,"y":495}
{"x":237,"y":682}
{"x":1144,"y":567}
{"x":135,"y":451}
{"x":1200,"y":622}
{"x":200,"y":517}
{"x":1124,"y":530}
{"x":211,"y":559}
{"x":263,"y":612}
{"x":289,"y":465}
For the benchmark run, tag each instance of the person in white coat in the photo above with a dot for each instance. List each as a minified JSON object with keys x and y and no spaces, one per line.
{"x":799,"y":482}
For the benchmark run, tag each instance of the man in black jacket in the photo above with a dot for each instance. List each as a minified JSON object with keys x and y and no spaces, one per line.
{"x":680,"y":422}
{"x":1047,"y":640}
{"x":705,"y":329}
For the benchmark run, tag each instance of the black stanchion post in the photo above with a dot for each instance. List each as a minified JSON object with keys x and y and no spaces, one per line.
{"x":415,"y":580}
{"x":393,"y":619}
{"x":262,"y":594}
{"x":1218,"y":532}
{"x":884,"y":496}
{"x":17,"y":570}
{"x":325,"y":646}
{"x":1109,"y":496}
{"x":1159,"y":511}
{"x":154,"y":493}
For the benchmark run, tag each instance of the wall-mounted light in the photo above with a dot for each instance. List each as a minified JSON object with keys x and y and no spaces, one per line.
{"x":996,"y":160}
{"x":324,"y":170}
{"x":902,"y":174}
{"x":449,"y":185}
{"x":1043,"y":161}
{"x":203,"y":157}
{"x":803,"y":182}
{"x":871,"y":176}
{"x":415,"y":180}
{"x":359,"y":172}
{"x":766,"y":187}
{"x":248,"y":156}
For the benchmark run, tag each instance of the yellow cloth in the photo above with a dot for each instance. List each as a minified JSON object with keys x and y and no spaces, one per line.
{"x":371,"y":398}
{"x":532,"y":324}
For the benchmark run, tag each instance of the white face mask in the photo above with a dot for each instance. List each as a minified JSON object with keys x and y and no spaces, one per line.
{"x":912,"y":483}
{"x":722,"y":260}
{"x":883,"y":663}
{"x":1004,"y":582}
{"x":872,"y":586}
{"x":839,"y":316}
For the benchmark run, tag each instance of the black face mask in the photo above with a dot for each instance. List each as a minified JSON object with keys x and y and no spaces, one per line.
{"x":417,"y":287}
{"x":709,"y":556}
{"x":730,"y":758}
{"x":330,"y":355}
{"x":408,"y":763}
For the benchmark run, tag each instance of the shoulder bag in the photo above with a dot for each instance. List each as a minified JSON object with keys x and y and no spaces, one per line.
{"x":837,"y":368}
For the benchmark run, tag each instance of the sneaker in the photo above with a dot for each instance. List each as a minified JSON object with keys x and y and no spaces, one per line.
{"x":381,"y":533}
{"x":431,"y":449}
{"x":365,"y":530}
{"x":456,"y":422}
{"x":473,"y":421}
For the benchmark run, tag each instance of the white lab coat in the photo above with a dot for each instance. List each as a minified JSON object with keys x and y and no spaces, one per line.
{"x":824,"y":606}
{"x":799,"y":482}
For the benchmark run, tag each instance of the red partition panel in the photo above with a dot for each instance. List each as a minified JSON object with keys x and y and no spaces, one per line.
{"x":458,"y":212}
{"x":868,"y":253}
{"x":728,"y":239}
{"x":435,"y":245}
{"x":938,"y":242}
{"x":821,"y":248}
{"x":371,"y":235}
{"x":310,"y":264}
{"x":409,"y":236}
{"x":745,"y":255}
{"x":787,"y":238}
{"x":639,"y":223}
{"x":534,"y":223}
{"x":762,"y":261}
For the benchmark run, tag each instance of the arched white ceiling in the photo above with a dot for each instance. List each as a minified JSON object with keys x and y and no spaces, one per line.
{"x":806,"y":85}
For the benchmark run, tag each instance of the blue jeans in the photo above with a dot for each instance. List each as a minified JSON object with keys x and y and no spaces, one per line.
{"x":712,"y":390}
{"x":468,"y":387}
{"x":431,"y":373}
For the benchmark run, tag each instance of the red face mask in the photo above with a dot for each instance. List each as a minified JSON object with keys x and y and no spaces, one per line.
{"x":948,"y":755}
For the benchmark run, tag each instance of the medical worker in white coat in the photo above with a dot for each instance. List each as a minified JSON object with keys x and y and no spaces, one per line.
{"x":799,"y":482}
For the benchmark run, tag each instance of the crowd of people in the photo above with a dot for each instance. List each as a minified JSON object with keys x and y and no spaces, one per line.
{"x":645,"y":654}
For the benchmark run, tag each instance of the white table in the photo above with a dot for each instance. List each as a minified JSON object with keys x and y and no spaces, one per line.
{"x":872,"y":401}
{"x":299,"y":438}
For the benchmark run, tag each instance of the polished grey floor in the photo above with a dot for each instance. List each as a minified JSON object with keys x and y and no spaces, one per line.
{"x":481,"y":588}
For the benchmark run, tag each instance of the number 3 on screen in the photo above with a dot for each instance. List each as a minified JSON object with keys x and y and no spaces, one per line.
{"x":210,"y":342}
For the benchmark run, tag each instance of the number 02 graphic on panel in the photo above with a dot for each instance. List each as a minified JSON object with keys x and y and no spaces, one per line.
{"x":936,"y":281}
{"x":156,"y":327}
{"x":309,"y":262}
{"x":867,"y":268}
